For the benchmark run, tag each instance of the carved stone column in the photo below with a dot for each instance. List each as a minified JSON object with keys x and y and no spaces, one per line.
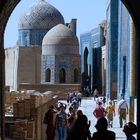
{"x":132,"y":70}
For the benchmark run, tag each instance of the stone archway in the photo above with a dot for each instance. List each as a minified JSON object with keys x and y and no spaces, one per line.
{"x":6,"y":8}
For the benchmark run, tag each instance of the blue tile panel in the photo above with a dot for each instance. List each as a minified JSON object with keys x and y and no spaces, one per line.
{"x":29,"y":37}
{"x":92,"y":41}
{"x":111,"y":46}
{"x":123,"y":51}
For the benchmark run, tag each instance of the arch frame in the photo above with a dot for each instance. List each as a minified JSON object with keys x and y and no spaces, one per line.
{"x":6,"y":8}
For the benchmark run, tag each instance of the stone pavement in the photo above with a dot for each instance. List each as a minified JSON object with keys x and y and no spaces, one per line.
{"x":87,"y":106}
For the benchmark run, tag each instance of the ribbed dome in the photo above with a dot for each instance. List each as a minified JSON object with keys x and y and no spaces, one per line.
{"x":41,"y":15}
{"x":60,"y":35}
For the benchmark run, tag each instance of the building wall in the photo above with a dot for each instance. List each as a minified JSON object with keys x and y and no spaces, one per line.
{"x":96,"y":61}
{"x":28,"y":37}
{"x":56,"y":63}
{"x":29,"y":65}
{"x":11,"y":61}
{"x":104,"y":69}
{"x":91,"y":43}
{"x":126,"y":69}
{"x":85,"y":43}
{"x":22,"y":65}
{"x":60,"y":89}
{"x":112,"y":49}
{"x":85,"y":49}
{"x":123,"y":52}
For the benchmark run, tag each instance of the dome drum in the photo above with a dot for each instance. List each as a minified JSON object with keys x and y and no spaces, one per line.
{"x":60,"y":50}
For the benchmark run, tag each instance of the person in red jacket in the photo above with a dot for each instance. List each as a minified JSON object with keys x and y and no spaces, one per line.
{"x":49,"y":121}
{"x":99,"y":111}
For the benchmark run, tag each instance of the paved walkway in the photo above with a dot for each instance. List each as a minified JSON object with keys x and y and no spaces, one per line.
{"x":87,"y":106}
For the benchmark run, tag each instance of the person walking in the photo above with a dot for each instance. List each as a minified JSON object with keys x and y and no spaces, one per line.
{"x":102,"y":132}
{"x":79,"y":97}
{"x":104,"y":100}
{"x":95,"y":94}
{"x":110,"y":113}
{"x":122,"y":111}
{"x":49,"y":120}
{"x":80,"y":129}
{"x":71,"y":116}
{"x":99,"y":111}
{"x":79,"y":112}
{"x":68,"y":98}
{"x":61,"y":123}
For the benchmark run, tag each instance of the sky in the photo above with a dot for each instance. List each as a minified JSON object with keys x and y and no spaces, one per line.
{"x":89,"y":13}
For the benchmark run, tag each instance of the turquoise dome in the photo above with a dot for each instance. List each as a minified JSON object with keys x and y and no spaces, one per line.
{"x":41,"y":15}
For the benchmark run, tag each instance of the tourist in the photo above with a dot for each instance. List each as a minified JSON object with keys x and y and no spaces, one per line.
{"x":122,"y":111}
{"x":130,"y":129}
{"x":80,"y":129}
{"x":49,"y":121}
{"x":79,"y":112}
{"x":79,"y":97}
{"x":71,"y":116}
{"x":61,"y":123}
{"x":68,"y":98}
{"x":110,"y":113}
{"x":95,"y":94}
{"x":102,"y":132}
{"x":99,"y":111}
{"x":104,"y":100}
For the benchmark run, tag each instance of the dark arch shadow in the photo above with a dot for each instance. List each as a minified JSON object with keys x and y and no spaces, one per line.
{"x":6,"y":8}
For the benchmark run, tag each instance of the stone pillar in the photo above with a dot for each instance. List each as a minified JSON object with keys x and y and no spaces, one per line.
{"x":132,"y":70}
{"x":103,"y":69}
{"x":72,"y":25}
{"x":2,"y":89}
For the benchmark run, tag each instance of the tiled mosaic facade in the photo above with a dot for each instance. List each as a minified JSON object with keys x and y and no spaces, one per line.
{"x":90,"y":44}
{"x":60,"y":51}
{"x":123,"y":52}
{"x":112,"y":49}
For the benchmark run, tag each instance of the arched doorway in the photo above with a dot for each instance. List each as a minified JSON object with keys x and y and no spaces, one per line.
{"x":6,"y":8}
{"x":62,"y":76}
{"x":48,"y":75}
{"x":75,"y":75}
{"x":86,"y":61}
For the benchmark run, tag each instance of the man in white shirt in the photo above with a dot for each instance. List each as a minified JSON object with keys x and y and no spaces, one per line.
{"x":79,"y":96}
{"x":122,"y":111}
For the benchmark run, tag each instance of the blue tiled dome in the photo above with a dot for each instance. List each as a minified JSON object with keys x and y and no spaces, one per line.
{"x":41,"y":15}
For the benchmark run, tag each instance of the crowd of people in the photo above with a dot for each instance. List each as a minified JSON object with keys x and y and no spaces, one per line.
{"x":56,"y":118}
{"x":74,"y":125}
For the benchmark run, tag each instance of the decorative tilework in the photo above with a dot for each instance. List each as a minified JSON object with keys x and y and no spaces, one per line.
{"x":41,"y":15}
